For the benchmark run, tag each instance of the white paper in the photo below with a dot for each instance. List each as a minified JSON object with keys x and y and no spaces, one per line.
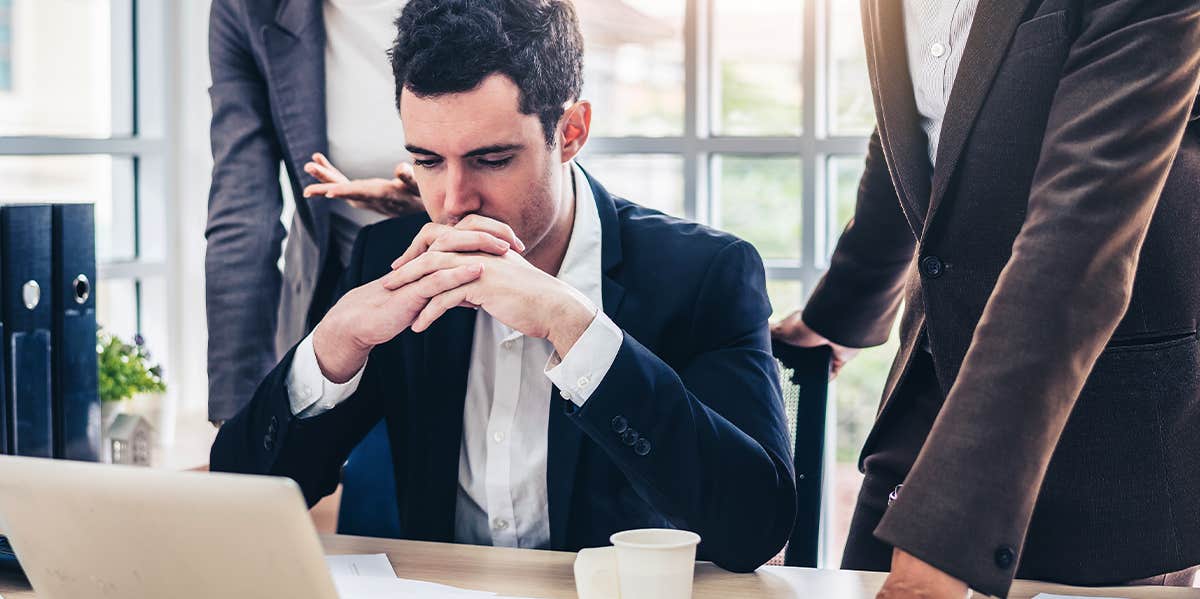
{"x":372,"y":577}
{"x":1049,"y":596}
{"x":375,"y":565}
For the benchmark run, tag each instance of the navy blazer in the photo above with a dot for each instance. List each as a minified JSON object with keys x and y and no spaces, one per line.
{"x":694,"y":377}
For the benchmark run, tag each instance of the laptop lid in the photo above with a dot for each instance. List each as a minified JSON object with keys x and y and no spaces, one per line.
{"x":99,"y":530}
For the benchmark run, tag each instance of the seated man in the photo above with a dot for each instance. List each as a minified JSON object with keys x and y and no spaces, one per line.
{"x":553,"y":364}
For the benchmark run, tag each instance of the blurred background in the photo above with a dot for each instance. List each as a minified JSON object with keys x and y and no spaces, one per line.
{"x":749,"y":116}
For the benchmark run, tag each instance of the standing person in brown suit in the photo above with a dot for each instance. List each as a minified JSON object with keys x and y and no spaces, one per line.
{"x":1032,"y":198}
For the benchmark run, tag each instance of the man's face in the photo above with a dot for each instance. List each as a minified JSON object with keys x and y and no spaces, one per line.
{"x":475,"y":153}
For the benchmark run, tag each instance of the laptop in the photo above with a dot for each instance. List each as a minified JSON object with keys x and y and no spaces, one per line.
{"x":99,"y":530}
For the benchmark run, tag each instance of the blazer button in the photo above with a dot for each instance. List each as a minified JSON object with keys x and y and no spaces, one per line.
{"x":1005,"y":557}
{"x":642,"y":447}
{"x":268,"y":443}
{"x":932,"y":267}
{"x":629,"y":437}
{"x":619,"y":424}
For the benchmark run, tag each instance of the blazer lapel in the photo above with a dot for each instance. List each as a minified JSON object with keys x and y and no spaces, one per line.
{"x":295,"y":57}
{"x":437,"y":414}
{"x":565,"y":438}
{"x":904,"y":143}
{"x":987,"y":44}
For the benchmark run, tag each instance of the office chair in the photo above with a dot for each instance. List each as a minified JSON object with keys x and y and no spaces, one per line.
{"x":368,"y":504}
{"x":804,"y":376}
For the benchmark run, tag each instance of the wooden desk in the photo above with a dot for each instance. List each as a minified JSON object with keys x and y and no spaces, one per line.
{"x":548,"y":574}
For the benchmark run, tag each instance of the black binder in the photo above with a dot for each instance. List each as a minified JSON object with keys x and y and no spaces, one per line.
{"x":76,"y":381}
{"x":25,"y":254}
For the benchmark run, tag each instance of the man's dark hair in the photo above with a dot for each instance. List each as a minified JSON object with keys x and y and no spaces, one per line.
{"x":451,"y":46}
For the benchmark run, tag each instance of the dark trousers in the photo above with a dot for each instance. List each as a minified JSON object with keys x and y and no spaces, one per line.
{"x":898,"y":440}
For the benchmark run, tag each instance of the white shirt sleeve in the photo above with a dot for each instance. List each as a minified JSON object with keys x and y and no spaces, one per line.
{"x":579,"y":372}
{"x":309,"y":392}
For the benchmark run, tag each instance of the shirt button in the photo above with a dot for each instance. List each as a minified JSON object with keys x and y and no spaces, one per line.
{"x":1005,"y":556}
{"x":305,"y":392}
{"x":499,"y":524}
{"x":507,"y":344}
{"x":938,"y":49}
{"x":498,"y":436}
{"x":584,"y":381}
{"x":565,"y":394}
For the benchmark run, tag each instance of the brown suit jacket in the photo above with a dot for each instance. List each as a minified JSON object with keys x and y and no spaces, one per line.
{"x":1053,"y":260}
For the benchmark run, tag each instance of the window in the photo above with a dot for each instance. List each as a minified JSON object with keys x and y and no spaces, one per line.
{"x":5,"y":46}
{"x":82,"y":119}
{"x":752,"y":117}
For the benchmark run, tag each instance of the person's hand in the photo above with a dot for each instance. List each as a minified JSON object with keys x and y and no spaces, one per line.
{"x":474,"y":233}
{"x":793,"y":331}
{"x":397,"y":196}
{"x":912,"y":578}
{"x":373,"y":314}
{"x":510,"y":289}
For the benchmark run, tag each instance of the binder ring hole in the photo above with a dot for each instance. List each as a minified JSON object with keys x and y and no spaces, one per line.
{"x":83,"y":289}
{"x":31,"y":294}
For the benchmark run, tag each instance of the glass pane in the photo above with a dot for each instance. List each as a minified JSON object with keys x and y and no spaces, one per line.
{"x":104,"y":180}
{"x":633,"y":66}
{"x":851,"y":109}
{"x":758,"y":199}
{"x":757,"y":67}
{"x":116,"y":307}
{"x":56,"y":67}
{"x":652,"y":180}
{"x":844,"y":174}
{"x":786,"y":297}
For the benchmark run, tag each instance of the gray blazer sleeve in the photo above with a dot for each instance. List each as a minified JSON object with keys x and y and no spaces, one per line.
{"x":244,"y":232}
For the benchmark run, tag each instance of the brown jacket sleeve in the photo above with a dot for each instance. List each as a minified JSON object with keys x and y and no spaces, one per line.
{"x":856,"y":301}
{"x":1115,"y":125}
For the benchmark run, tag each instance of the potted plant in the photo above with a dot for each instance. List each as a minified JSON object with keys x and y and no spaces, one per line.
{"x":129,"y":381}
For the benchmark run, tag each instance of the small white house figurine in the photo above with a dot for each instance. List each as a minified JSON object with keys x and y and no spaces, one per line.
{"x":130,"y":440}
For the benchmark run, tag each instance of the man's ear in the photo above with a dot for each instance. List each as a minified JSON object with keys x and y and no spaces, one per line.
{"x":574,"y":127}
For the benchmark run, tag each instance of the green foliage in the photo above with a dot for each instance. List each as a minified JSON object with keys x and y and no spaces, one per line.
{"x":125,"y":369}
{"x":761,"y":98}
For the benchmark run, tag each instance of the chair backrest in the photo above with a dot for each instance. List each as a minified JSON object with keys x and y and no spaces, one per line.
{"x":804,"y":376}
{"x":368,"y":504}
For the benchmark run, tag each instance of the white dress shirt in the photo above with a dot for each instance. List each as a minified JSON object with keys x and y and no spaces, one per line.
{"x":936,"y":33}
{"x":502,"y":498}
{"x":363,"y":129}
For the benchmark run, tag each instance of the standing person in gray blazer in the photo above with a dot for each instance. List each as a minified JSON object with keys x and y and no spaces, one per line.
{"x":293,"y":81}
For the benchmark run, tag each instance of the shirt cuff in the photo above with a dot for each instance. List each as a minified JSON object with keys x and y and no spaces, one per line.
{"x":309,"y":392}
{"x":579,"y":372}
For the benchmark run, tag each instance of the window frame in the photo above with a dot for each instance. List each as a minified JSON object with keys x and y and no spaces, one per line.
{"x":815,"y":147}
